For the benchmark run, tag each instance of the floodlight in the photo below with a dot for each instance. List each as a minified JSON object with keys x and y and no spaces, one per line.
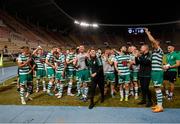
{"x":95,"y":25}
{"x":76,"y":22}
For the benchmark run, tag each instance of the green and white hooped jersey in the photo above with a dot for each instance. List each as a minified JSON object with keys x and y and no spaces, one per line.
{"x":39,"y":60}
{"x":50,"y":59}
{"x":70,"y":56}
{"x":25,"y":69}
{"x":61,"y":63}
{"x":157,"y":59}
{"x":122,"y":61}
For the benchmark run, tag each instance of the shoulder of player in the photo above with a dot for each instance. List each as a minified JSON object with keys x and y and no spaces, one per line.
{"x":175,"y":55}
{"x":49,"y":54}
{"x":158,"y":50}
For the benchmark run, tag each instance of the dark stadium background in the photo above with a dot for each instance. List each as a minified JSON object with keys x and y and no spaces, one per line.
{"x":49,"y":23}
{"x":49,"y":15}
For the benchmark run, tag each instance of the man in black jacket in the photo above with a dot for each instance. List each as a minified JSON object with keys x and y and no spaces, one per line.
{"x":144,"y":60}
{"x":97,"y":77}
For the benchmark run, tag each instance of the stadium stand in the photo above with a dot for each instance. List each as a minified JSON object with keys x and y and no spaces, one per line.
{"x":14,"y":33}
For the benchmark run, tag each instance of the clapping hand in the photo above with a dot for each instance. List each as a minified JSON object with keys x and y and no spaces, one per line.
{"x":93,"y":75}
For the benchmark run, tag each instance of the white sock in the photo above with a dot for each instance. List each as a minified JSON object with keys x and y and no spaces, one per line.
{"x":159,"y":97}
{"x":22,"y":98}
{"x":121,"y":94}
{"x":69,"y":88}
{"x":44,"y":84}
{"x":61,"y":88}
{"x":112,"y":92}
{"x":126,"y":93}
{"x":37,"y":84}
{"x":136,"y":91}
{"x":131,"y":91}
{"x":49,"y":87}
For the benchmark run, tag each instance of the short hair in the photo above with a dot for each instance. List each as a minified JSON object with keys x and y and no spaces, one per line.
{"x":92,"y":48}
{"x":132,"y":46}
{"x":54,"y":47}
{"x":59,"y":48}
{"x":123,"y":46}
{"x":108,"y":48}
{"x":81,"y":46}
{"x":146,"y":46}
{"x":72,"y":48}
{"x":24,"y":47}
{"x":170,"y":44}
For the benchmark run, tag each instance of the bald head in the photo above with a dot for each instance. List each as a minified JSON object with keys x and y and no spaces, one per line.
{"x":144,"y":48}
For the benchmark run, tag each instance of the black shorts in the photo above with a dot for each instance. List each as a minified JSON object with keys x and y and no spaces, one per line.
{"x":170,"y":76}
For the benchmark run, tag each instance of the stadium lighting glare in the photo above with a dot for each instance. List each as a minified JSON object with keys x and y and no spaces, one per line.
{"x":85,"y":24}
{"x":95,"y":25}
{"x":76,"y":22}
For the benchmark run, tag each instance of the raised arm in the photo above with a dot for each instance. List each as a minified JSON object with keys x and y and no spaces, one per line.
{"x":35,"y":51}
{"x":153,"y":41}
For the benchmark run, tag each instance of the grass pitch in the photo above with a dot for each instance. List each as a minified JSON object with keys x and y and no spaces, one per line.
{"x":10,"y":96}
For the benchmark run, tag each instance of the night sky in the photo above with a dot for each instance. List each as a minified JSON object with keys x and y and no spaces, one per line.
{"x":118,"y":11}
{"x":100,"y":11}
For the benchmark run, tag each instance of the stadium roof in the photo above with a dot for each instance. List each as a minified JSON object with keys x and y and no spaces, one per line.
{"x":126,"y":11}
{"x":42,"y":11}
{"x":50,"y":12}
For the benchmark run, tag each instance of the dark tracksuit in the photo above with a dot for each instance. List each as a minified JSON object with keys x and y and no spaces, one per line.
{"x":145,"y":75}
{"x":95,"y":66}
